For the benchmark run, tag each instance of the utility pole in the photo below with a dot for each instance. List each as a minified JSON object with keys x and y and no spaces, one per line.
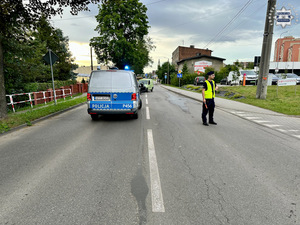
{"x":261,"y":91}
{"x":92,"y":67}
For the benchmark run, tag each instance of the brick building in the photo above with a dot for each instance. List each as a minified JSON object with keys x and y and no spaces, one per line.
{"x":187,"y":52}
{"x":287,"y":49}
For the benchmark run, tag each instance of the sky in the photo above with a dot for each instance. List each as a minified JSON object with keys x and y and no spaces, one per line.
{"x":232,"y":29}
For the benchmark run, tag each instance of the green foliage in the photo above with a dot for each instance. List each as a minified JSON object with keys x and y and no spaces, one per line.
{"x":164,"y":69}
{"x":122,"y":28}
{"x":33,"y":87}
{"x":16,"y":51}
{"x":185,"y":69}
{"x":187,"y":78}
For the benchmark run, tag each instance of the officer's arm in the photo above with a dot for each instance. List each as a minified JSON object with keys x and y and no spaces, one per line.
{"x":203,"y":94}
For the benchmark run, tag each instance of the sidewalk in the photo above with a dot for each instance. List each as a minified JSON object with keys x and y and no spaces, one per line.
{"x":289,"y":125}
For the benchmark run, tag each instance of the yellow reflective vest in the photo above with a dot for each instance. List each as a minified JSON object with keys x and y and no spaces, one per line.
{"x":210,"y":92}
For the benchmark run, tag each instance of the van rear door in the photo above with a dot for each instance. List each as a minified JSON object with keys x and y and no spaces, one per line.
{"x":123,"y":92}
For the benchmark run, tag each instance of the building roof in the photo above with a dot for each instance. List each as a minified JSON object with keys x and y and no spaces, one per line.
{"x":199,"y":57}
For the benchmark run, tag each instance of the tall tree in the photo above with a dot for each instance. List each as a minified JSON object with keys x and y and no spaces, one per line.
{"x":122,"y":28}
{"x":15,"y":18}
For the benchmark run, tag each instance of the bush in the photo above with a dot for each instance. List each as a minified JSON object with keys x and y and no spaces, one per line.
{"x":186,"y":79}
{"x":34,"y":87}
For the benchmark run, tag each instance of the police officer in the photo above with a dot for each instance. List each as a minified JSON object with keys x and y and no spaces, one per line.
{"x":208,"y":94}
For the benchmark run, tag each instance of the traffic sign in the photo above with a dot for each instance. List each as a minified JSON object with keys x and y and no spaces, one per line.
{"x":179,"y":75}
{"x":50,"y":60}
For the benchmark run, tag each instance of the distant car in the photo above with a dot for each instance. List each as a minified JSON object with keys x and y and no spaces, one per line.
{"x":113,"y":92}
{"x":199,"y":81}
{"x":292,"y":75}
{"x":148,"y":84}
{"x":274,"y":79}
{"x":223,"y":81}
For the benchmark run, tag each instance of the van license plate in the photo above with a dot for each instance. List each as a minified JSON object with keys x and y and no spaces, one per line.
{"x":101,"y":98}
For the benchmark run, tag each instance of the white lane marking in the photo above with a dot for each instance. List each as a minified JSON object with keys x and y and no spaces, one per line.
{"x":146,"y":96}
{"x":156,"y":193}
{"x":282,"y":130}
{"x":272,"y":125}
{"x":261,"y":121}
{"x":146,"y":101}
{"x":147,"y":113}
{"x":297,"y":136}
{"x":252,"y":118}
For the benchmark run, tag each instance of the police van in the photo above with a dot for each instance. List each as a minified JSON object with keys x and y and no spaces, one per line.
{"x":113,"y":92}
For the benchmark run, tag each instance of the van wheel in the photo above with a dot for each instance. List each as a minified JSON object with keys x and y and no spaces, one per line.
{"x":141,"y":104}
{"x":94,"y":117}
{"x":135,"y":116}
{"x":152,"y":90}
{"x":146,"y":89}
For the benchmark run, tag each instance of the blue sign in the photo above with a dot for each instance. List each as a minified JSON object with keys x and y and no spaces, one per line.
{"x":165,"y":76}
{"x":179,"y":75}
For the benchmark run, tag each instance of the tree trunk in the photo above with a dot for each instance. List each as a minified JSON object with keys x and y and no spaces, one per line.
{"x":3,"y":104}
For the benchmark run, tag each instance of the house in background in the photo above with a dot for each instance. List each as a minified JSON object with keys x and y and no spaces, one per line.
{"x":198,"y":64}
{"x":196,"y":59}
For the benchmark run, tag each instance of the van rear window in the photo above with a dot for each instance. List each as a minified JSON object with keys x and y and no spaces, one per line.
{"x":110,"y":79}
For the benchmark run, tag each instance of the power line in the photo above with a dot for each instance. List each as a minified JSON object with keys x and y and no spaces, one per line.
{"x":229,"y":23}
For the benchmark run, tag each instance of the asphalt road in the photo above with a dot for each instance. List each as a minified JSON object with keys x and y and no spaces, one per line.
{"x":163,"y":168}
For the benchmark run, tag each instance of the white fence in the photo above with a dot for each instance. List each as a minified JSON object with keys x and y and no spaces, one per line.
{"x":47,"y":96}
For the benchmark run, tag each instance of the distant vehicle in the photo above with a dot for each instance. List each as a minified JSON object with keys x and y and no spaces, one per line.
{"x":223,"y":81}
{"x":275,"y":78}
{"x":199,"y":81}
{"x":148,"y":84}
{"x":113,"y":92}
{"x":235,"y":77}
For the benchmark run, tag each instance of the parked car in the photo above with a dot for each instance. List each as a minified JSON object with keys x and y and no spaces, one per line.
{"x":148,"y":84}
{"x":223,"y":81}
{"x":292,"y":75}
{"x":199,"y":81}
{"x":113,"y":92}
{"x":275,"y":78}
{"x":235,"y":77}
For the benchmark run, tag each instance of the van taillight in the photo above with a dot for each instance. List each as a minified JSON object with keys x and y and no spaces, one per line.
{"x":89,"y":97}
{"x":133,"y":97}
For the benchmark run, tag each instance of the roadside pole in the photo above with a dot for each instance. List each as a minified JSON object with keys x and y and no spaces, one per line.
{"x":261,"y":91}
{"x":54,"y":92}
{"x":51,"y":58}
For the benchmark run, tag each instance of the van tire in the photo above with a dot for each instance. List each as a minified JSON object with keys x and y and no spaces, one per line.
{"x":152,"y":90}
{"x":135,"y":116}
{"x":141,"y":104}
{"x":94,"y":117}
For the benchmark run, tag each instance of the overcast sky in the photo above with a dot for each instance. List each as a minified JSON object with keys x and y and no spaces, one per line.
{"x":232,"y":29}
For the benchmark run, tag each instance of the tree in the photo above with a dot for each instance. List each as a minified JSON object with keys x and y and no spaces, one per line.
{"x":122,"y":28}
{"x":185,"y":69}
{"x":16,"y":18}
{"x":164,"y":69}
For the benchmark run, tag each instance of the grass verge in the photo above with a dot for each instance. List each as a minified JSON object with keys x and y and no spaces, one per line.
{"x":284,"y":100}
{"x":27,"y":116}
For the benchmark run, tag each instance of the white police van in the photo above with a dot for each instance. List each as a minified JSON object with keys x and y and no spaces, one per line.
{"x":113,"y":92}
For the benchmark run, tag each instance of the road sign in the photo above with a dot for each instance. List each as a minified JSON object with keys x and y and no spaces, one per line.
{"x":51,"y":60}
{"x":179,"y":75}
{"x":287,"y":82}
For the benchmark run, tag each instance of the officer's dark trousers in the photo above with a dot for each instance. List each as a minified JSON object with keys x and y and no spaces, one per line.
{"x":210,"y":110}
